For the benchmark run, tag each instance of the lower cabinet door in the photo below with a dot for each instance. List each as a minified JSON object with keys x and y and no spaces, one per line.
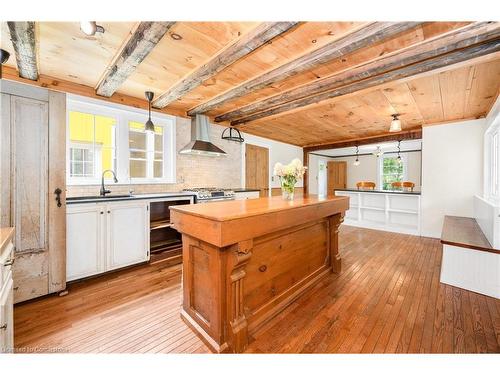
{"x":85,"y":234}
{"x":7,"y":317}
{"x":128,"y":233}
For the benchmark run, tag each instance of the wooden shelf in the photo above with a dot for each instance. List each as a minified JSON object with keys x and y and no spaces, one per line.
{"x":372,"y":208}
{"x":160,"y":224}
{"x":165,"y":245}
{"x":402,"y":211}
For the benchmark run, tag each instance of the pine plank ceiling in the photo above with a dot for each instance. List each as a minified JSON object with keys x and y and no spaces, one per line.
{"x":229,"y":82}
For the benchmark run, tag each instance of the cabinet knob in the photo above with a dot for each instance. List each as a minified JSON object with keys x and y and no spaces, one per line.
{"x":3,"y":326}
{"x":109,"y":212}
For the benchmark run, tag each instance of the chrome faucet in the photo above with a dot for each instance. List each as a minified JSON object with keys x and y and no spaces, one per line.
{"x":103,"y":191}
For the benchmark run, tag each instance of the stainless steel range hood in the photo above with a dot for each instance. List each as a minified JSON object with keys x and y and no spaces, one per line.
{"x":200,"y":139}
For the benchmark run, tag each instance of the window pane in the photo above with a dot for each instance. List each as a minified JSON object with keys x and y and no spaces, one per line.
{"x":105,"y":139}
{"x":77,"y":154}
{"x":158,"y":169}
{"x":392,"y":171}
{"x":137,"y":140}
{"x":81,"y":128}
{"x":77,"y":169}
{"x":97,"y":136}
{"x":138,"y":168}
{"x":158,"y":142}
{"x":137,"y":154}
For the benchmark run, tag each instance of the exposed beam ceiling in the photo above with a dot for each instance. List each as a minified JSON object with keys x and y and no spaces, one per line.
{"x":57,"y":84}
{"x":369,"y":34}
{"x":141,"y":42}
{"x":249,"y":42}
{"x":395,"y":75}
{"x":391,"y":137}
{"x":445,"y":43}
{"x":22,"y":35}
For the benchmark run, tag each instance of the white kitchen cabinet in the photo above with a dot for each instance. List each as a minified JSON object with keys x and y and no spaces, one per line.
{"x":128,"y":234}
{"x":7,"y":317}
{"x":6,"y":294}
{"x":106,"y":236}
{"x":85,"y":228}
{"x":240,"y":195}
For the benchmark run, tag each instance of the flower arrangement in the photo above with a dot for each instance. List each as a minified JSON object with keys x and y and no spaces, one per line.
{"x":289,"y":175}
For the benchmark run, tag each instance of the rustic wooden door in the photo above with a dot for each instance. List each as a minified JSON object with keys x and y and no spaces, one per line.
{"x":257,"y":169}
{"x":337,"y":176}
{"x":36,"y":172}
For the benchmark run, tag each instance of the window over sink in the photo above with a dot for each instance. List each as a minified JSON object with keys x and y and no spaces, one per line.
{"x":102,"y":136}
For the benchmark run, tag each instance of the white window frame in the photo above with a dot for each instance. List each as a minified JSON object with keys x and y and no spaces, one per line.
{"x":168,"y":151}
{"x":380,"y":168}
{"x":492,"y":162}
{"x":123,"y":114}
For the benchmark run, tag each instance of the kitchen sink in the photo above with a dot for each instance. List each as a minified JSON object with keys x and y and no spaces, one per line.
{"x":110,"y":196}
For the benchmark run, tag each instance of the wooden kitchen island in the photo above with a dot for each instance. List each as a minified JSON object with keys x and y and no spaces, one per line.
{"x":245,"y":261}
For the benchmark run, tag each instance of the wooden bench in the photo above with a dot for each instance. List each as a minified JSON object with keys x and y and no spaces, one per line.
{"x":469,"y":261}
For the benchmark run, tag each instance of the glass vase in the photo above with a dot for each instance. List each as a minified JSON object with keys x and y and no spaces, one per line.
{"x":287,"y":189}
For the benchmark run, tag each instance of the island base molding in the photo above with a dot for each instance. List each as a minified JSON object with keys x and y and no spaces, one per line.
{"x":229,"y":292}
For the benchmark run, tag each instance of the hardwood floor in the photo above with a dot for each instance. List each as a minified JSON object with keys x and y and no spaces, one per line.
{"x":387,"y":299}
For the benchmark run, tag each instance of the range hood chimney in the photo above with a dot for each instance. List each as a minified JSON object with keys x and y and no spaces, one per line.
{"x":200,"y":139}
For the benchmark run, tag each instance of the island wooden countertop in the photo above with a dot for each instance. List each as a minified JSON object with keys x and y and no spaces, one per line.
{"x":6,"y":235}
{"x":237,"y":209}
{"x":228,"y":222}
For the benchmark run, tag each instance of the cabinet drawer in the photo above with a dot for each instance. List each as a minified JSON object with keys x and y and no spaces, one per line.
{"x":6,"y":260}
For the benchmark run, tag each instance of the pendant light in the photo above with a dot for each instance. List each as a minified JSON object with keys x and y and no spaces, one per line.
{"x":378,"y":152}
{"x":149,"y":126}
{"x":357,"y":162}
{"x":399,"y":153}
{"x":232,"y":134}
{"x":395,"y":124}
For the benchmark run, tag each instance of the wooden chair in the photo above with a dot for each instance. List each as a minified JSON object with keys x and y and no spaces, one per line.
{"x":397,"y":185}
{"x":405,"y":185}
{"x":365,"y":185}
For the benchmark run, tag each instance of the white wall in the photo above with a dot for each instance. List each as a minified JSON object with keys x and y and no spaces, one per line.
{"x":452,"y":172}
{"x":366,"y":171}
{"x":278,"y":152}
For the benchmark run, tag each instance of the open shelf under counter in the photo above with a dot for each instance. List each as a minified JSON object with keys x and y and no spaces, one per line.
{"x":392,"y":211}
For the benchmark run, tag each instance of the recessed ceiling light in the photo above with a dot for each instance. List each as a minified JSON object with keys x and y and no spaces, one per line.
{"x":175,"y":36}
{"x":90,"y":28}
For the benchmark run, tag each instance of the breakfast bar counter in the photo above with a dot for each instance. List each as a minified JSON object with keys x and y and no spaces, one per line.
{"x":245,"y":261}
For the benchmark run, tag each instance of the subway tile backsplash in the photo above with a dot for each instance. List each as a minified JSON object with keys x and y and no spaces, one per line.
{"x":192,"y":170}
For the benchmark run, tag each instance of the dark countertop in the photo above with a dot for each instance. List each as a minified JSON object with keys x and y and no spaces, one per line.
{"x":380,"y":191}
{"x":244,"y":190}
{"x":78,"y":200}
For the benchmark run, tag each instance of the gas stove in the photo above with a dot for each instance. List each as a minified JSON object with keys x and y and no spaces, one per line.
{"x":204,"y":195}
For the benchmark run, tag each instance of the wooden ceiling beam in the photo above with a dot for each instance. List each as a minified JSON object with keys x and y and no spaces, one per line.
{"x":245,"y":45}
{"x":394,"y":76}
{"x":60,"y":85}
{"x":23,"y":37}
{"x":367,"y":35}
{"x":456,"y":39}
{"x":390,"y":137}
{"x":138,"y":46}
